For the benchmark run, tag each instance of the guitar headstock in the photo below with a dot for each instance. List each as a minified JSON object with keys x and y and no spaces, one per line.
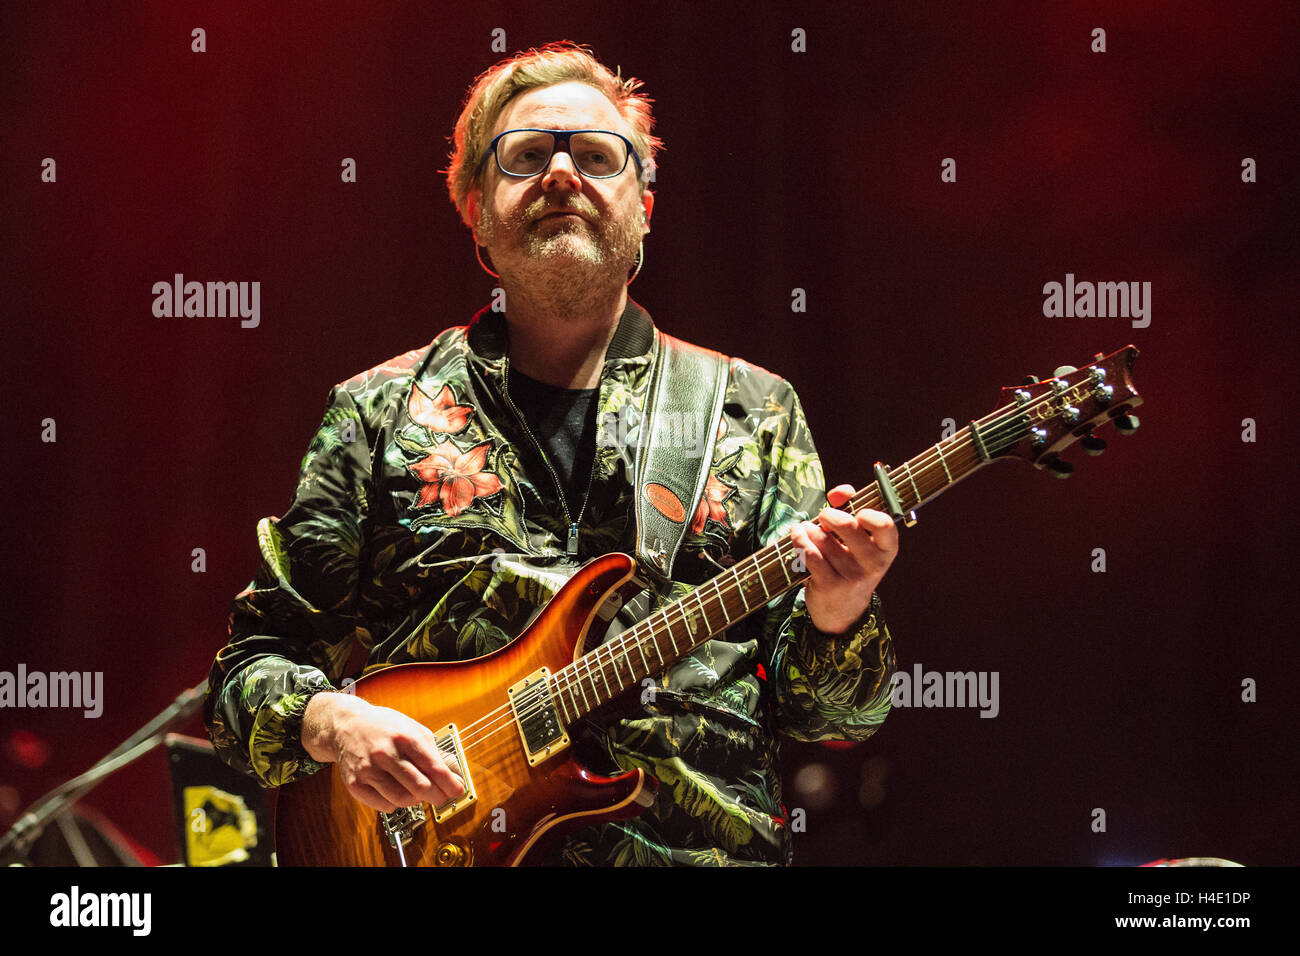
{"x":1038,"y":420}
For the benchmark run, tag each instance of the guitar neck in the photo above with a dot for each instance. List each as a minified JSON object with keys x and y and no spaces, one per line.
{"x":673,"y":631}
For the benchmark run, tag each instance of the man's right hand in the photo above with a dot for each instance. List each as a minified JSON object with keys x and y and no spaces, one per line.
{"x":386,"y":759}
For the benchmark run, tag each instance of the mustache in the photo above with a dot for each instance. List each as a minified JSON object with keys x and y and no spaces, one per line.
{"x":540,"y":207}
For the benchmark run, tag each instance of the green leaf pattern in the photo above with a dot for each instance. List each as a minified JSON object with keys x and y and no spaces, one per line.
{"x":358,"y":562}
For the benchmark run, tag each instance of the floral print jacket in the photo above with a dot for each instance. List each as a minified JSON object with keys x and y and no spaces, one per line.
{"x":427,"y":525}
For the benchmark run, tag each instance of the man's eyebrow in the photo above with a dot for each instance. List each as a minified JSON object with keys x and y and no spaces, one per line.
{"x":541,"y":123}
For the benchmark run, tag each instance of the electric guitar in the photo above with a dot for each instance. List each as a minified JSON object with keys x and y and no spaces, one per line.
{"x":504,"y":719}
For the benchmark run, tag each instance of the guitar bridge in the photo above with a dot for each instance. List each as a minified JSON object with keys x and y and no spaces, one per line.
{"x":400,"y":825}
{"x":536,"y":717}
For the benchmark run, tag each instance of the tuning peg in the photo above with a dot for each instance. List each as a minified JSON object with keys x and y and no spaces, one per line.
{"x":1127,"y":424}
{"x":1092,"y":444}
{"x":1060,"y":467}
{"x":1064,"y":370}
{"x":1030,"y":380}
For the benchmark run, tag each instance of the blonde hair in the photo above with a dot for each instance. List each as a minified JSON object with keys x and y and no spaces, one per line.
{"x":553,"y":63}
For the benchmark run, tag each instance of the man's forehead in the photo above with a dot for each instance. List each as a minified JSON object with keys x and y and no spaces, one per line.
{"x":569,"y":105}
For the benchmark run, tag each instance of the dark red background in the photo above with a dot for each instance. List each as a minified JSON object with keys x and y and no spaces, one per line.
{"x":817,"y":170}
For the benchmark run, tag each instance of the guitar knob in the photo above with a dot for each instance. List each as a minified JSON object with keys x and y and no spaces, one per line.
{"x":1064,"y":370}
{"x":1060,"y":467}
{"x":1127,"y":424}
{"x":1092,"y":444}
{"x":1030,"y":380}
{"x":449,"y":854}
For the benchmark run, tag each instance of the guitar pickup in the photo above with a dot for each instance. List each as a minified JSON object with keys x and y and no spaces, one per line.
{"x":449,"y":746}
{"x":539,"y":724}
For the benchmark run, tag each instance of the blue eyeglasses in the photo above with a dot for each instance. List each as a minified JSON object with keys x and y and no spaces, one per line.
{"x":596,"y":153}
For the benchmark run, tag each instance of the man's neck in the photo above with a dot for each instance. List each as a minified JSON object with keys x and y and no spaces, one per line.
{"x":558,"y":346}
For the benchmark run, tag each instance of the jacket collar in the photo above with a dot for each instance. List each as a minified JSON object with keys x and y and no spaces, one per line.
{"x":488,"y":334}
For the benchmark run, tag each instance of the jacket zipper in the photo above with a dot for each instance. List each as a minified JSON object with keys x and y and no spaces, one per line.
{"x":571,"y":546}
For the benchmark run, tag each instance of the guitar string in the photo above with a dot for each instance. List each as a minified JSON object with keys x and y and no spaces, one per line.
{"x":567,"y":678}
{"x":563,"y":682}
{"x":1013,"y":420}
{"x":763,"y":561}
{"x":633,"y":639}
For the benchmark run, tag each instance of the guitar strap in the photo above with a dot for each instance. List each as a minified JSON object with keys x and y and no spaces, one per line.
{"x":686,"y":389}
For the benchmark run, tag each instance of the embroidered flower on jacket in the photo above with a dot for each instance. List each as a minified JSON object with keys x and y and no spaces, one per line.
{"x":455,"y":478}
{"x":711,"y":509}
{"x":440,"y":414}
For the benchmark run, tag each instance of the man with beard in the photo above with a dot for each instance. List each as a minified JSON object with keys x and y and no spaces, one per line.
{"x":474,"y":483}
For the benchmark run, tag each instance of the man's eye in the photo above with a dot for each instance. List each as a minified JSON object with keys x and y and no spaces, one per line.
{"x":597,"y":160}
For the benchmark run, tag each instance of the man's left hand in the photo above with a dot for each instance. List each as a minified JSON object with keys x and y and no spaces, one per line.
{"x":846,"y":557}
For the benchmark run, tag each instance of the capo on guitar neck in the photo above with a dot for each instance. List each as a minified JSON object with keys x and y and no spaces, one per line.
{"x":890,"y":497}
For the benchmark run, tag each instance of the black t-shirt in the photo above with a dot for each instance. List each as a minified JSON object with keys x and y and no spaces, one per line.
{"x":564,"y":422}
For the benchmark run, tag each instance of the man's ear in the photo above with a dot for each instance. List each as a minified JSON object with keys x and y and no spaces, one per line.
{"x":648,"y":207}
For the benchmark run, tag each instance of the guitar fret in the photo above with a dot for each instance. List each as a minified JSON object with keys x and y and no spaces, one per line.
{"x":582,"y":690}
{"x":559,"y":680}
{"x":573,"y":698}
{"x":780,"y":562}
{"x":721,"y":600}
{"x":553,"y":693}
{"x":939,"y":449}
{"x":672,"y":633}
{"x":627,"y":661}
{"x":641,"y":651}
{"x":916,"y":491}
{"x":761,"y":579}
{"x":613,"y":659}
{"x":602,"y":670}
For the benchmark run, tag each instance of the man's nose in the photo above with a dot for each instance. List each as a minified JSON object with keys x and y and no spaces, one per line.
{"x":561,"y":173}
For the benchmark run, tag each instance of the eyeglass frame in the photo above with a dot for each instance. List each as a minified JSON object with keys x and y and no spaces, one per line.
{"x":559,"y":135}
